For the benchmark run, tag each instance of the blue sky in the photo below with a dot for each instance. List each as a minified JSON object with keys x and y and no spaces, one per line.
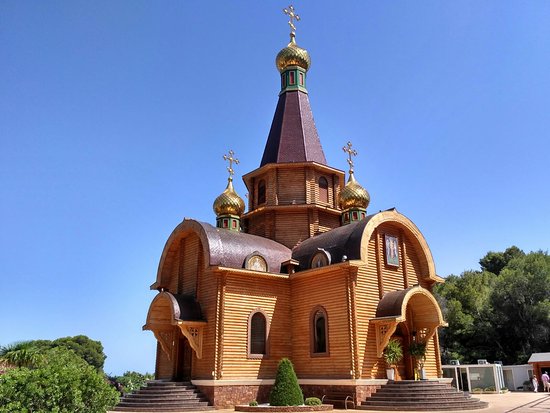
{"x":115,"y":115}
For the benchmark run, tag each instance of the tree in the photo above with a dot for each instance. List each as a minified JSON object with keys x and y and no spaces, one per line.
{"x":502,"y":313}
{"x":495,"y":261}
{"x":466,"y":305}
{"x":90,"y":350}
{"x":20,"y":354}
{"x":286,"y":391}
{"x":521,"y":302}
{"x":61,"y":382}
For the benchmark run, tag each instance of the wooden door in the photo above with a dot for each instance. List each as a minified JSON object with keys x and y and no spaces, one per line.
{"x":184,"y":360}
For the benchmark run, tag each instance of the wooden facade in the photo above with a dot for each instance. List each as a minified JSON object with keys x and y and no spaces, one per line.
{"x":293,"y":282}
{"x":349,"y":292}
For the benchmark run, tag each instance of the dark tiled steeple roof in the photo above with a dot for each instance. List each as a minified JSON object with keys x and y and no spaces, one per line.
{"x":293,"y":136}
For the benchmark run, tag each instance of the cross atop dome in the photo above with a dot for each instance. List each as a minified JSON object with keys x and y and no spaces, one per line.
{"x":231,"y":161}
{"x":350,"y":152}
{"x":290,"y":13}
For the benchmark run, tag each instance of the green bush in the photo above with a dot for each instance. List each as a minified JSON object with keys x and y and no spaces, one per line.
{"x":132,"y":380}
{"x":62,"y":382}
{"x":286,"y":390}
{"x":253,"y":403}
{"x":313,"y":401}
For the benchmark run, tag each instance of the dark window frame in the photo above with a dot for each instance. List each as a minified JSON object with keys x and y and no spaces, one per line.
{"x":323,"y":189}
{"x":316,"y":348}
{"x":261,"y":192}
{"x":251,"y":334}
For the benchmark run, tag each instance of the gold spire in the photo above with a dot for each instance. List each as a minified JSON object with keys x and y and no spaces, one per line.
{"x":292,"y":54}
{"x":228,"y":202}
{"x":353,"y":195}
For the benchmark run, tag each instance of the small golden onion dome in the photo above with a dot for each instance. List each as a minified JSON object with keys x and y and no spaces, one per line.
{"x":228,"y":203}
{"x":292,"y":55}
{"x":353,"y":195}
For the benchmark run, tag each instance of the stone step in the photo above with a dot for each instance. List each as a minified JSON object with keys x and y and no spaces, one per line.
{"x":168,"y":409}
{"x":159,"y":404}
{"x":415,"y":397}
{"x":419,"y":396}
{"x":394,"y":408}
{"x":164,"y":392}
{"x":165,"y":396}
{"x":152,"y":399}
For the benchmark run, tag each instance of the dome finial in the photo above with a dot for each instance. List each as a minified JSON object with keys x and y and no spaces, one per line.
{"x":229,"y":206}
{"x":353,"y":199}
{"x":290,"y":13}
{"x":231,"y":161}
{"x":350,"y":152}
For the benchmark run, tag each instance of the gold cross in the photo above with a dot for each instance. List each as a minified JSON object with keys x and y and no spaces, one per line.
{"x":231,"y":161}
{"x":290,"y":13}
{"x":350,"y":152}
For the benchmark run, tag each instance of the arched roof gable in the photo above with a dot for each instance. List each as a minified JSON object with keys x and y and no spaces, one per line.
{"x":221,"y":247}
{"x":393,"y":216}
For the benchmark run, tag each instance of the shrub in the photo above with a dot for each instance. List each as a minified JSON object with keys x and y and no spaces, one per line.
{"x":393,"y":353}
{"x":477,"y":390}
{"x":61,"y":383}
{"x":132,"y":380}
{"x":253,"y":403}
{"x":313,"y":401}
{"x":286,"y":390}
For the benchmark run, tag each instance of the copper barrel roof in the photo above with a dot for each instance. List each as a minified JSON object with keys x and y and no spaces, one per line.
{"x":391,"y":303}
{"x":293,"y":136}
{"x":338,"y":242}
{"x":187,"y":308}
{"x":230,"y":248}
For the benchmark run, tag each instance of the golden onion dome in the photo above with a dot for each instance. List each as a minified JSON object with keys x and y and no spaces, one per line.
{"x":228,"y":202}
{"x":353,"y":195}
{"x":292,"y":55}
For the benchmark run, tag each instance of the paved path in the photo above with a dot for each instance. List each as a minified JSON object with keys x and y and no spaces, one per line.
{"x":513,"y":402}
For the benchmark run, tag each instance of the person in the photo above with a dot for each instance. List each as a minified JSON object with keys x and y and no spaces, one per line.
{"x":545,"y":382}
{"x":535,"y":384}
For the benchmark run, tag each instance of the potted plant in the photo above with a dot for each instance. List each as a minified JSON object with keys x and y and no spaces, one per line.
{"x":393,"y":353}
{"x":417,"y":349}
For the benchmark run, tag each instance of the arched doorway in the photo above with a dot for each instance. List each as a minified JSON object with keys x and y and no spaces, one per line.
{"x":408,"y":315}
{"x":177,"y":323}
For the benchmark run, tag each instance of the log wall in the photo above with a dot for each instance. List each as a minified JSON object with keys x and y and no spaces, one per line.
{"x":245,"y":295}
{"x":325,"y":289}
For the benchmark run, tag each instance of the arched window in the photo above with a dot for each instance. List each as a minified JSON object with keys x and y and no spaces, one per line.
{"x":319,"y":336}
{"x":257,"y":335}
{"x":261,"y":192}
{"x":323,"y":189}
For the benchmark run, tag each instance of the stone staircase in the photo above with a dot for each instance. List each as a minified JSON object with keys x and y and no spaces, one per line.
{"x":164,"y":396}
{"x":407,"y":395}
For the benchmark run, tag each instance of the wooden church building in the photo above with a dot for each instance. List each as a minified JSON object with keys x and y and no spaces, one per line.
{"x":306,"y":273}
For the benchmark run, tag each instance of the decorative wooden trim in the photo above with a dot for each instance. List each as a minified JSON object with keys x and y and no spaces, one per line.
{"x":379,"y":251}
{"x":166,"y":340}
{"x":384,"y":330}
{"x":350,"y":281}
{"x":220,"y":308}
{"x":404,"y":258}
{"x":193,"y":332}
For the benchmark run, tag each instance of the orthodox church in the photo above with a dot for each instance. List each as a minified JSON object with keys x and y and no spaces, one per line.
{"x":305,"y":273}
